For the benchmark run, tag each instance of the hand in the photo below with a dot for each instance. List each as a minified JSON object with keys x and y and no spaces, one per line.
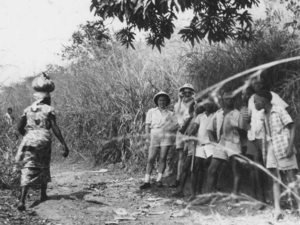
{"x":147,"y":141}
{"x":180,"y":95}
{"x":290,"y":151}
{"x":248,"y":127}
{"x":65,"y":151}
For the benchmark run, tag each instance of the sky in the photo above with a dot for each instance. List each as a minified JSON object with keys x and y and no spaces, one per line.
{"x":33,"y":32}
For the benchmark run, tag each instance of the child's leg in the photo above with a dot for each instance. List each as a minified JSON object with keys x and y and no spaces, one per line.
{"x":198,"y":165}
{"x":236,"y":167}
{"x":291,"y":176}
{"x":44,"y":195}
{"x":200,"y":181}
{"x":183,"y":177}
{"x":206,"y":164}
{"x":276,"y":193}
{"x":21,"y":205}
{"x":212,"y":174}
{"x":259,"y":181}
{"x":180,"y":163}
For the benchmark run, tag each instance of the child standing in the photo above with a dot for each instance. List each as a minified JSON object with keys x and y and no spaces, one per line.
{"x":278,"y":144}
{"x":224,"y":130}
{"x":203,"y":151}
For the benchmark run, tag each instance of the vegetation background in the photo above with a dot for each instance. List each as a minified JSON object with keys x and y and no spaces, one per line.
{"x":103,"y":94}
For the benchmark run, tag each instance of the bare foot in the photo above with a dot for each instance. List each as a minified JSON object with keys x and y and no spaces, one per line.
{"x":21,"y":206}
{"x":44,"y":198}
{"x":278,"y":215}
{"x":234,"y":199}
{"x":192,"y":198}
{"x":261,"y":206}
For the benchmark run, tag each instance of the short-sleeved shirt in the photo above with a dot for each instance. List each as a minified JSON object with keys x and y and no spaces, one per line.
{"x":257,"y":129}
{"x":37,"y":116}
{"x":227,"y":126}
{"x":182,"y":113}
{"x":203,"y":121}
{"x":157,"y":118}
{"x":279,"y":133}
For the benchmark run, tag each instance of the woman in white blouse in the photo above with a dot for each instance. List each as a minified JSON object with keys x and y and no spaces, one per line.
{"x":158,"y":124}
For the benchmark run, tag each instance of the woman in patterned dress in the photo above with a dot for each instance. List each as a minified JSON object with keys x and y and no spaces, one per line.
{"x":34,"y":153}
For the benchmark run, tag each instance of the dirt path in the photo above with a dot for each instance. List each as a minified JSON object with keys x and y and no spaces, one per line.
{"x":79,"y":196}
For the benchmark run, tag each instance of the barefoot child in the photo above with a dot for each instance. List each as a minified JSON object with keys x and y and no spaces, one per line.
{"x":203,"y":151}
{"x":278,"y":147}
{"x":224,"y":130}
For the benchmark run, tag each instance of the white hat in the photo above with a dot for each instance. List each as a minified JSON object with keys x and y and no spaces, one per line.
{"x":189,"y":86}
{"x":161,"y":93}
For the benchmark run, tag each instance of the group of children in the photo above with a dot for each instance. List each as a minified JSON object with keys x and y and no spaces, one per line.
{"x":262,"y":130}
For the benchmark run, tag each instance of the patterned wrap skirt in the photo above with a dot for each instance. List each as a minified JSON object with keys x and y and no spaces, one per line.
{"x":34,"y":154}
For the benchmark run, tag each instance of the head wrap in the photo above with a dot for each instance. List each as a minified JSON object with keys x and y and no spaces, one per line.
{"x":39,"y":96}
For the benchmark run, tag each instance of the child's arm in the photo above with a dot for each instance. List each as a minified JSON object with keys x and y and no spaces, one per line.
{"x":211,"y":129}
{"x":193,"y":130}
{"x":290,"y":149}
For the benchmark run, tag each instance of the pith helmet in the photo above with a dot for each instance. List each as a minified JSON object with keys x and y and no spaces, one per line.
{"x":189,"y":86}
{"x":161,"y":93}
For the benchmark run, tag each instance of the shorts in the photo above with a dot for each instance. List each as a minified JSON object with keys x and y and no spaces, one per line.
{"x":160,"y":138}
{"x":204,"y":151}
{"x":254,"y":146}
{"x":225,"y":149}
{"x":281,"y":164}
{"x":179,"y":140}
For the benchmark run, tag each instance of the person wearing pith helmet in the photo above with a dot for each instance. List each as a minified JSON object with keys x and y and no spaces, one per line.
{"x":159,"y":136}
{"x":181,"y":108}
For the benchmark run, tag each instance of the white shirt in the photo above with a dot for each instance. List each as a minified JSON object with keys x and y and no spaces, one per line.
{"x":158,"y":118}
{"x":182,"y":113}
{"x":257,"y":128}
{"x":203,"y":120}
{"x":8,"y":119}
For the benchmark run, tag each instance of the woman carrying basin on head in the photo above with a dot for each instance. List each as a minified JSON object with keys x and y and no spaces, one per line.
{"x":34,"y":153}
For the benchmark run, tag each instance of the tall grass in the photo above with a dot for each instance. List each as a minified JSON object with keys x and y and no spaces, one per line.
{"x":101,"y":101}
{"x":102,"y":96}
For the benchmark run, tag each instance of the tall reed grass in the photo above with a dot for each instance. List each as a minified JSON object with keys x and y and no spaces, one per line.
{"x":102,"y":96}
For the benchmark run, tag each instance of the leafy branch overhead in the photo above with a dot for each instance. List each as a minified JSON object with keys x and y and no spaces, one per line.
{"x":217,"y":20}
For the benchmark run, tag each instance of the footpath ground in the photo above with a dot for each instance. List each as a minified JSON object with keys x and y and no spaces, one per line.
{"x":83,"y":195}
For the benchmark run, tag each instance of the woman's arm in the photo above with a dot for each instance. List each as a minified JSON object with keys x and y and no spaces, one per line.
{"x":147,"y":131}
{"x":57,"y":133}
